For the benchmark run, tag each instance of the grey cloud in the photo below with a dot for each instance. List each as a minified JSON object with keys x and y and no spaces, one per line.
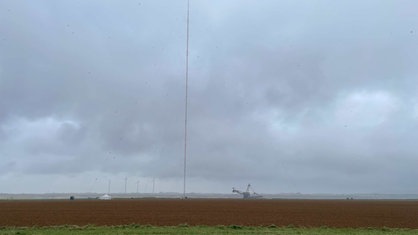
{"x":291,"y":96}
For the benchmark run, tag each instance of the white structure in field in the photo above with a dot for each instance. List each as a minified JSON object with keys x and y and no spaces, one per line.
{"x":105,"y":197}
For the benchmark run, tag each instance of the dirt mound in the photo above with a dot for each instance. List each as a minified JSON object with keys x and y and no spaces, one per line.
{"x":308,"y":213}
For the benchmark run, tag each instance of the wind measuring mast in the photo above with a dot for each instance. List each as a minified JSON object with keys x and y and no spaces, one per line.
{"x":186,"y":99}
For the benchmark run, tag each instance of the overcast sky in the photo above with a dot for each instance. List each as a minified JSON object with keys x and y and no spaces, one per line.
{"x":291,"y":96}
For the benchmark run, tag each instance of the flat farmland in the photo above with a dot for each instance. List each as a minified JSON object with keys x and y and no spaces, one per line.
{"x":171,"y":212}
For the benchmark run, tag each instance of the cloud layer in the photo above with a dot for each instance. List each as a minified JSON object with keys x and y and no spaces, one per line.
{"x":292,"y":96}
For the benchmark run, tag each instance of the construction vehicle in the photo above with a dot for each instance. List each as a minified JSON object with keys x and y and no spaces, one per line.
{"x":248,"y":194}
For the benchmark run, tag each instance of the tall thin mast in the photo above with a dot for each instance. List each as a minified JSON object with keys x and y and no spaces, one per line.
{"x":108,"y":188}
{"x":186,"y":100}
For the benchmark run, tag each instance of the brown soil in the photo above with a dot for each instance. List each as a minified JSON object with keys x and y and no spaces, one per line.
{"x":307,"y":213}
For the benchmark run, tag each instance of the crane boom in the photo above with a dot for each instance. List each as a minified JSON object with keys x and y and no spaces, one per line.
{"x":248,"y":193}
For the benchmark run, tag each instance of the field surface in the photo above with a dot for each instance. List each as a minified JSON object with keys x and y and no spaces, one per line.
{"x":210,"y":212}
{"x":200,"y":230}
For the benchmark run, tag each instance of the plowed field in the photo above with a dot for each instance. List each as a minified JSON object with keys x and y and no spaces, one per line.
{"x":308,"y":213}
